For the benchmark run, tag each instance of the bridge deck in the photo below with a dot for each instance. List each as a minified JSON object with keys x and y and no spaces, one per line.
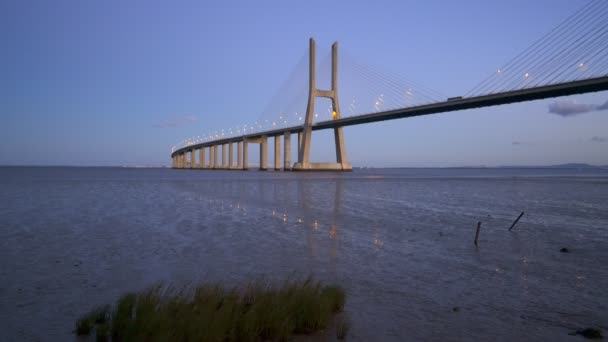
{"x":453,"y":104}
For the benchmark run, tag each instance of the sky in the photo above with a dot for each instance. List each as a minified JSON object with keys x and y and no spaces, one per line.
{"x":105,"y":83}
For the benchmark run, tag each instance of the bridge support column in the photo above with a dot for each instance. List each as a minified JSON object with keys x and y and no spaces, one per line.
{"x":277,"y":152}
{"x":230,"y":155}
{"x":211,"y":165}
{"x":216,"y":149}
{"x":192,"y":158}
{"x":304,"y":163}
{"x":287,"y":151}
{"x":239,"y":155}
{"x":245,"y":155}
{"x":201,"y":157}
{"x":299,"y":142}
{"x":264,"y":153}
{"x":224,"y":156}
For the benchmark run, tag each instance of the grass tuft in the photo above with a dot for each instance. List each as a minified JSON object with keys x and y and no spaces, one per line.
{"x":342,"y":328}
{"x":86,"y":323}
{"x":102,"y":333}
{"x":256,"y":312}
{"x":83,"y":327}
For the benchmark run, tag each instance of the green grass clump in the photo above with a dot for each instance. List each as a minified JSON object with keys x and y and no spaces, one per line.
{"x":102,"y":333}
{"x":257,"y":312}
{"x":85,"y":324}
{"x":342,"y":327}
{"x":83,"y":327}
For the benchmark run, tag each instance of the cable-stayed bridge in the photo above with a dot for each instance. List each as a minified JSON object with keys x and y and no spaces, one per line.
{"x":570,"y":59}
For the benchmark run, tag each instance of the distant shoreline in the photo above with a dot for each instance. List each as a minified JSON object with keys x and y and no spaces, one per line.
{"x":571,"y":166}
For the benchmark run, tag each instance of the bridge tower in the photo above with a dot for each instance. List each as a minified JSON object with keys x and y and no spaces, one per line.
{"x":304,"y":163}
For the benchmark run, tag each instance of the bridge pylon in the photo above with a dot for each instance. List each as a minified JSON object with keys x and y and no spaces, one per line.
{"x":304,"y":163}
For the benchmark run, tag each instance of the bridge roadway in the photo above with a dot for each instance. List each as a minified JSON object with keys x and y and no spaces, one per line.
{"x":453,"y":104}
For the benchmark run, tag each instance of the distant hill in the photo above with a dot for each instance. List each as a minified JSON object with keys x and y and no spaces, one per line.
{"x":559,"y":166}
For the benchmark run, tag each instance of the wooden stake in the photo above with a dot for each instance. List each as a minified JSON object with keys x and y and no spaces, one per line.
{"x":477,"y":232}
{"x":514,"y":223}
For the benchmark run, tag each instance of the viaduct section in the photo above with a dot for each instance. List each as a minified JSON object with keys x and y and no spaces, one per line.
{"x":209,"y":152}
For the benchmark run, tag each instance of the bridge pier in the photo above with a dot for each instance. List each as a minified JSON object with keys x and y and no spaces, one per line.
{"x":192,"y":158}
{"x":263,"y":153}
{"x":216,"y":165}
{"x":299,"y":142}
{"x":224,"y":157}
{"x":239,"y":155}
{"x":230,"y":156}
{"x":201,"y":156}
{"x":245,"y":154}
{"x":287,"y":151}
{"x":277,"y":153}
{"x":211,"y":165}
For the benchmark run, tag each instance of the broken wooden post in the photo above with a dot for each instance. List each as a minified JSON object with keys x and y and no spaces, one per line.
{"x":514,"y":223}
{"x":477,"y":232}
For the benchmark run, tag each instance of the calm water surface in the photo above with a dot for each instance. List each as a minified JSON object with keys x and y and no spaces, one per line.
{"x":399,"y":241}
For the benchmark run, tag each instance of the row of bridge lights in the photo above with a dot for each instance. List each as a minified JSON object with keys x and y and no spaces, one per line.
{"x":527,"y":74}
{"x":281,"y":122}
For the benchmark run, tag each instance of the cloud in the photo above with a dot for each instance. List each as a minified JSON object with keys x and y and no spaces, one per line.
{"x":177,"y":121}
{"x":599,"y":139}
{"x":603,"y":107}
{"x":567,"y":108}
{"x":521,"y":143}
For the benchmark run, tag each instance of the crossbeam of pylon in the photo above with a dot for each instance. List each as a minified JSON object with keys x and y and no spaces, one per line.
{"x":304,"y":163}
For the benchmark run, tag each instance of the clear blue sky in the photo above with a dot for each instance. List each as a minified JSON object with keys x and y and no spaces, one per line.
{"x":120,"y":82}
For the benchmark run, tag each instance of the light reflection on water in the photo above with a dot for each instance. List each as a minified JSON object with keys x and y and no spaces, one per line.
{"x":400,"y":241}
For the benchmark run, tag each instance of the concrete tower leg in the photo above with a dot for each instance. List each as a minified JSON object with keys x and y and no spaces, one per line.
{"x":287,"y":151}
{"x":216,"y":165}
{"x":192,"y":158}
{"x":304,"y":163}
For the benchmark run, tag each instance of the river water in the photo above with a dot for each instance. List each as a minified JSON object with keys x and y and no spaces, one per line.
{"x":400,"y":241}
